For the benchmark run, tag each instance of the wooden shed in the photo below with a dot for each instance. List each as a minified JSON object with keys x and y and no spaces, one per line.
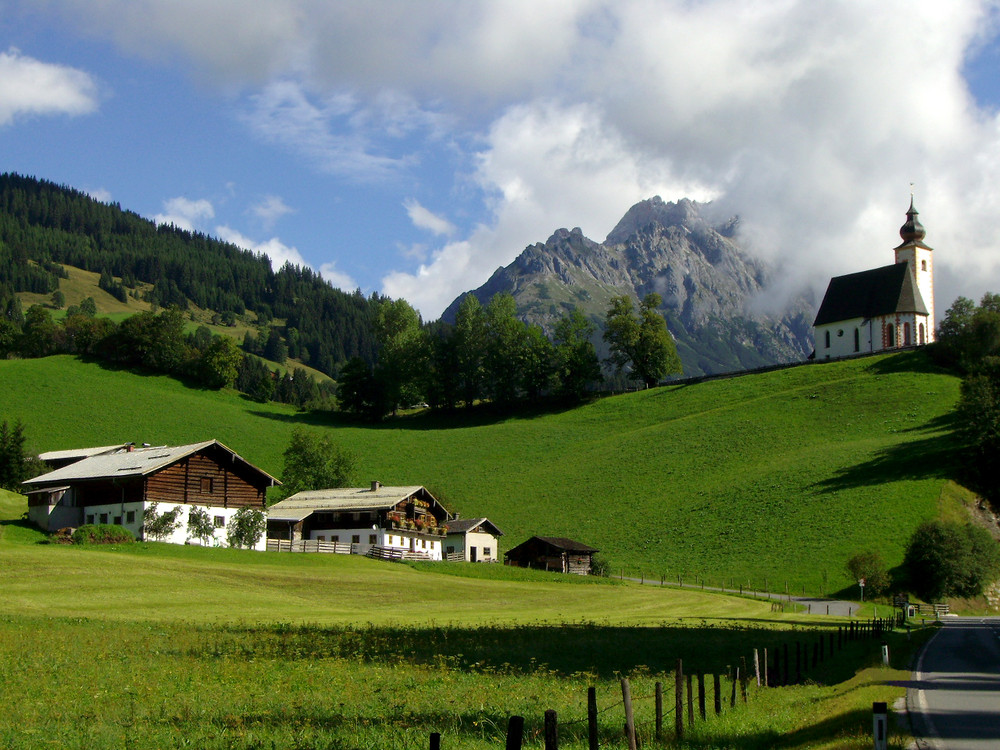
{"x":552,"y":553}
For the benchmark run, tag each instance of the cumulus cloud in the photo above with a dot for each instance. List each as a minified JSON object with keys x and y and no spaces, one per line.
{"x":422,"y":218}
{"x":32,"y":87}
{"x":277,"y":251}
{"x":185,"y":213}
{"x":809,"y":118}
{"x":337,"y":278}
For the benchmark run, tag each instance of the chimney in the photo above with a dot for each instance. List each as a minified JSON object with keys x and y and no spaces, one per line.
{"x":130,"y":447}
{"x":375,"y":485}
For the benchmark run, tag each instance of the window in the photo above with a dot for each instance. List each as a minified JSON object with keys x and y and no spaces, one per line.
{"x":371,"y":538}
{"x":857,"y":339}
{"x":90,"y":518}
{"x":206,"y":485}
{"x":335,"y":538}
{"x":827,"y":338}
{"x":890,"y":336}
{"x":906,"y":334}
{"x":486,"y":551}
{"x":450,"y":549}
{"x":355,"y":539}
{"x":130,"y":517}
{"x":104,"y":517}
{"x":840,"y":332}
{"x":118,"y":520}
{"x":321,"y":538}
{"x":219,"y":521}
{"x":921,"y":333}
{"x":923,"y":265}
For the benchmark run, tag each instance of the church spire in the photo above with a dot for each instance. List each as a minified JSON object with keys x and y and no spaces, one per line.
{"x":912,"y":230}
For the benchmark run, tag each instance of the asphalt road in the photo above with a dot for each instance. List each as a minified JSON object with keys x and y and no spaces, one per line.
{"x":954,"y":699}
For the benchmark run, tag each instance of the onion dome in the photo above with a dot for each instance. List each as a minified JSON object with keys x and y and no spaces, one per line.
{"x":912,"y":230}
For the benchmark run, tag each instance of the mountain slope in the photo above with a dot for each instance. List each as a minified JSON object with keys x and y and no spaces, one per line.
{"x":781,"y":475}
{"x":712,"y":291}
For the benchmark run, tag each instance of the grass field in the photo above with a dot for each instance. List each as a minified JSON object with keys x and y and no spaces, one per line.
{"x":779,"y":476}
{"x":159,"y":646}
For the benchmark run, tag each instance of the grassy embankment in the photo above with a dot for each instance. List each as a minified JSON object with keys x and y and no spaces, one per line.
{"x":779,"y":476}
{"x":153,"y":646}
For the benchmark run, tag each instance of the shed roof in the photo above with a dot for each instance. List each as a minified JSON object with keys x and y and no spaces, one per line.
{"x":347,"y":498}
{"x":79,"y":453}
{"x":465,"y":525}
{"x":868,"y":294}
{"x":138,"y":462}
{"x":557,"y":543}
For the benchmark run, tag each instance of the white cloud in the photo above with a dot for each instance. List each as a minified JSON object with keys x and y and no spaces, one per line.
{"x":336,"y":278}
{"x":278,"y":252}
{"x":270,"y":210}
{"x":184,"y":213}
{"x":32,"y":87}
{"x":100,"y":194}
{"x":422,"y":218}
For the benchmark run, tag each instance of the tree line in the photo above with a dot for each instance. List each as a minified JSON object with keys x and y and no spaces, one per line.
{"x":489,"y":355}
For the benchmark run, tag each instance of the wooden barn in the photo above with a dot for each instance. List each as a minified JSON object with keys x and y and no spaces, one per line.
{"x":552,"y":553}
{"x":117,"y":486}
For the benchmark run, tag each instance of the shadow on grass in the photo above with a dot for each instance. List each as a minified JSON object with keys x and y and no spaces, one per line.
{"x":937,"y":456}
{"x":427,"y":419}
{"x":599,"y":650}
{"x":23,"y":531}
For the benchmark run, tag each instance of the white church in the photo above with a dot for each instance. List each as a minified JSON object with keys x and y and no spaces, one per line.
{"x":884,"y":308}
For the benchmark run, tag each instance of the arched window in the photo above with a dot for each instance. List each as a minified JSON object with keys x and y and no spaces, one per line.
{"x":920,"y":333}
{"x":923,"y":265}
{"x":857,"y":339}
{"x":890,"y":335}
{"x":906,"y":334}
{"x":827,"y":339}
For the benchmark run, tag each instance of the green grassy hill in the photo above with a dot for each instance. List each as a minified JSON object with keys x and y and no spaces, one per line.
{"x":780,"y":475}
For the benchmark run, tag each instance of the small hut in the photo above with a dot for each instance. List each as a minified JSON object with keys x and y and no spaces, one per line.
{"x":552,"y":553}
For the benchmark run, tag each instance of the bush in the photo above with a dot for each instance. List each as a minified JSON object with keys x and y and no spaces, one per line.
{"x":102,"y":533}
{"x":870,"y":567}
{"x":947,"y":559}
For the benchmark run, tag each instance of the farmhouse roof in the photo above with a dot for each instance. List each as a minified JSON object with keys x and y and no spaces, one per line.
{"x":78,"y":453}
{"x":868,"y":294}
{"x":465,"y":525}
{"x":137,"y":462}
{"x":377,"y":497}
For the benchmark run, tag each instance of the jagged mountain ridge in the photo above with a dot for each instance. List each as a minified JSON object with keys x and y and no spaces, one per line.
{"x":711,"y":288}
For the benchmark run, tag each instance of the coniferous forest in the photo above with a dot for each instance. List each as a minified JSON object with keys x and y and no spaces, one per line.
{"x":54,"y":225}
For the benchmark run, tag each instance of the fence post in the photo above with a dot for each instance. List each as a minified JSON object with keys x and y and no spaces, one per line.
{"x":629,"y":717}
{"x":515,"y":732}
{"x":756,"y":666}
{"x":679,"y":700}
{"x":718,"y":693}
{"x":690,"y":702}
{"x":764,"y":665}
{"x":701,"y":695}
{"x":659,"y":710}
{"x":744,"y":678}
{"x":551,"y":731}
{"x":784,"y":664}
{"x":592,"y":717}
{"x":732,"y":697}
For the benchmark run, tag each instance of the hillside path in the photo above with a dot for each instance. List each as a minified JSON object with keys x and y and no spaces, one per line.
{"x":954,"y":698}
{"x":814,"y":605}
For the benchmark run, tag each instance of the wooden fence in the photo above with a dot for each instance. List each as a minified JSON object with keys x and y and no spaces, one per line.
{"x":788,"y":664}
{"x":310,"y":545}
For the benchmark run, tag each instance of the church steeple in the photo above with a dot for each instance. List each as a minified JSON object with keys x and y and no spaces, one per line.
{"x":912,"y":230}
{"x":921,"y":260}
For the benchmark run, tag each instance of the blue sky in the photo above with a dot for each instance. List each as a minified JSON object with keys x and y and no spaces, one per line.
{"x":412,"y":148}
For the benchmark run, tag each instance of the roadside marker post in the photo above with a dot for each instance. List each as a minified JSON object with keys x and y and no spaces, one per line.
{"x":880,"y":720}
{"x":885,"y":653}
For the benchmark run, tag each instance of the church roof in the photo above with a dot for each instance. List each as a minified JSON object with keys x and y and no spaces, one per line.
{"x":868,"y":294}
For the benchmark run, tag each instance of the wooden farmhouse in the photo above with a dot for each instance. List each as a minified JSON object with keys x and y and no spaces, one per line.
{"x":405,"y":519}
{"x":472,"y":540}
{"x":552,"y":553}
{"x":117,"y":484}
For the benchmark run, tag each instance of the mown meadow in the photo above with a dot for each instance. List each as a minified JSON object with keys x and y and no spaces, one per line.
{"x":157,"y":646}
{"x":768,"y":479}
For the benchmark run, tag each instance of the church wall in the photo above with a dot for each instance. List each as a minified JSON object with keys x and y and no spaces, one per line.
{"x":842,"y":340}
